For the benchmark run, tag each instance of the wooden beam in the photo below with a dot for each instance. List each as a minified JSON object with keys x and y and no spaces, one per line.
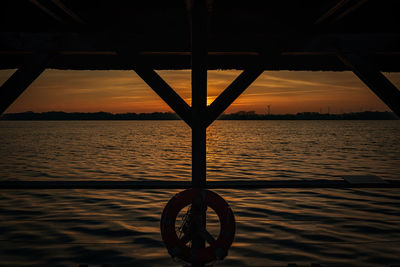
{"x":68,"y":11}
{"x":47,"y":11}
{"x":232,"y":92}
{"x":296,"y":62}
{"x":351,"y":9}
{"x":374,"y":79}
{"x":22,"y":78}
{"x":185,"y":54}
{"x":339,"y":11}
{"x":331,"y":11}
{"x":230,"y":45}
{"x":229,"y":184}
{"x":145,"y":53}
{"x":174,"y":101}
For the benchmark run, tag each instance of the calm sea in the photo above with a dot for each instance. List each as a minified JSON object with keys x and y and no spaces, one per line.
{"x":358,"y":227}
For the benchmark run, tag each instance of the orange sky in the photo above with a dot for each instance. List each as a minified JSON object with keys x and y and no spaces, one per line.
{"x":124,"y":91}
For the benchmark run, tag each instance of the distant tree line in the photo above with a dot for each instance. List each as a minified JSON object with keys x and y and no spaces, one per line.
{"x":58,"y":115}
{"x":241,"y":115}
{"x":366,"y":115}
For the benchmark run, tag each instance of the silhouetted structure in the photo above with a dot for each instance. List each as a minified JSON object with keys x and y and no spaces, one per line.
{"x":200,"y":35}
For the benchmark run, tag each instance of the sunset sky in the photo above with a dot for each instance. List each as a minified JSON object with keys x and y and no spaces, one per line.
{"x":124,"y":91}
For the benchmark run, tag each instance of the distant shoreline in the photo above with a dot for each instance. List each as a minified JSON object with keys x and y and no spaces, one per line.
{"x":241,"y":115}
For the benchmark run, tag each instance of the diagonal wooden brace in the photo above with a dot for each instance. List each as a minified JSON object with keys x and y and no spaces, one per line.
{"x":232,"y":92}
{"x":157,"y":84}
{"x":22,"y":78}
{"x":374,"y":79}
{"x":167,"y":94}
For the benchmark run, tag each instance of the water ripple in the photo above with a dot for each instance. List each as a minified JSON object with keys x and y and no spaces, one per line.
{"x":274,"y":227}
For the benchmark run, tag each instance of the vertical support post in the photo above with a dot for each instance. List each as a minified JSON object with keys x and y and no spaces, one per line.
{"x":199,"y":92}
{"x":199,"y":105}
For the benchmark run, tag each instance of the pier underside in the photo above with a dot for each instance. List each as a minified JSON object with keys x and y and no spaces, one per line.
{"x":200,"y":35}
{"x":331,"y":35}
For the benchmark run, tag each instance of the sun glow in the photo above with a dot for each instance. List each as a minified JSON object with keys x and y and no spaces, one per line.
{"x":123,"y":91}
{"x":209,"y":100}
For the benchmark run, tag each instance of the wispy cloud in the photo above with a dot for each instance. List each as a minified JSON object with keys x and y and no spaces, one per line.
{"x":118,"y":91}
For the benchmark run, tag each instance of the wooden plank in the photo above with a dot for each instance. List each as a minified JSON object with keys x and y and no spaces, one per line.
{"x":293,"y":62}
{"x":227,"y":184}
{"x":351,"y":9}
{"x":22,"y":78}
{"x":374,"y":79}
{"x":68,"y":11}
{"x":339,"y":11}
{"x":222,"y":43}
{"x":331,"y":11}
{"x":47,"y":11}
{"x":232,"y":92}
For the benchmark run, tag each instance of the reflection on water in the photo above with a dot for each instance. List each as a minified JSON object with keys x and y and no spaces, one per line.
{"x":274,"y":227}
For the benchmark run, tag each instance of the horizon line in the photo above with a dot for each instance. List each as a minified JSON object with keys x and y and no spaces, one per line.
{"x":243,"y":112}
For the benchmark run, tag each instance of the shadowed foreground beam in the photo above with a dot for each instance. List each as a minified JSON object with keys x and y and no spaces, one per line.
{"x":22,"y":78}
{"x":236,"y":184}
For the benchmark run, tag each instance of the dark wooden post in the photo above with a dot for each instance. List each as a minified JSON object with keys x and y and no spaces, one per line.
{"x":199,"y":105}
{"x":199,"y":92}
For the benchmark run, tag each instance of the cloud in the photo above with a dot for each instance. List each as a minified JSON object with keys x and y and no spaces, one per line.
{"x":124,"y":91}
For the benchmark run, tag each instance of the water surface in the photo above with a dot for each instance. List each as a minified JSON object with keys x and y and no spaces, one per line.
{"x":274,"y":227}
